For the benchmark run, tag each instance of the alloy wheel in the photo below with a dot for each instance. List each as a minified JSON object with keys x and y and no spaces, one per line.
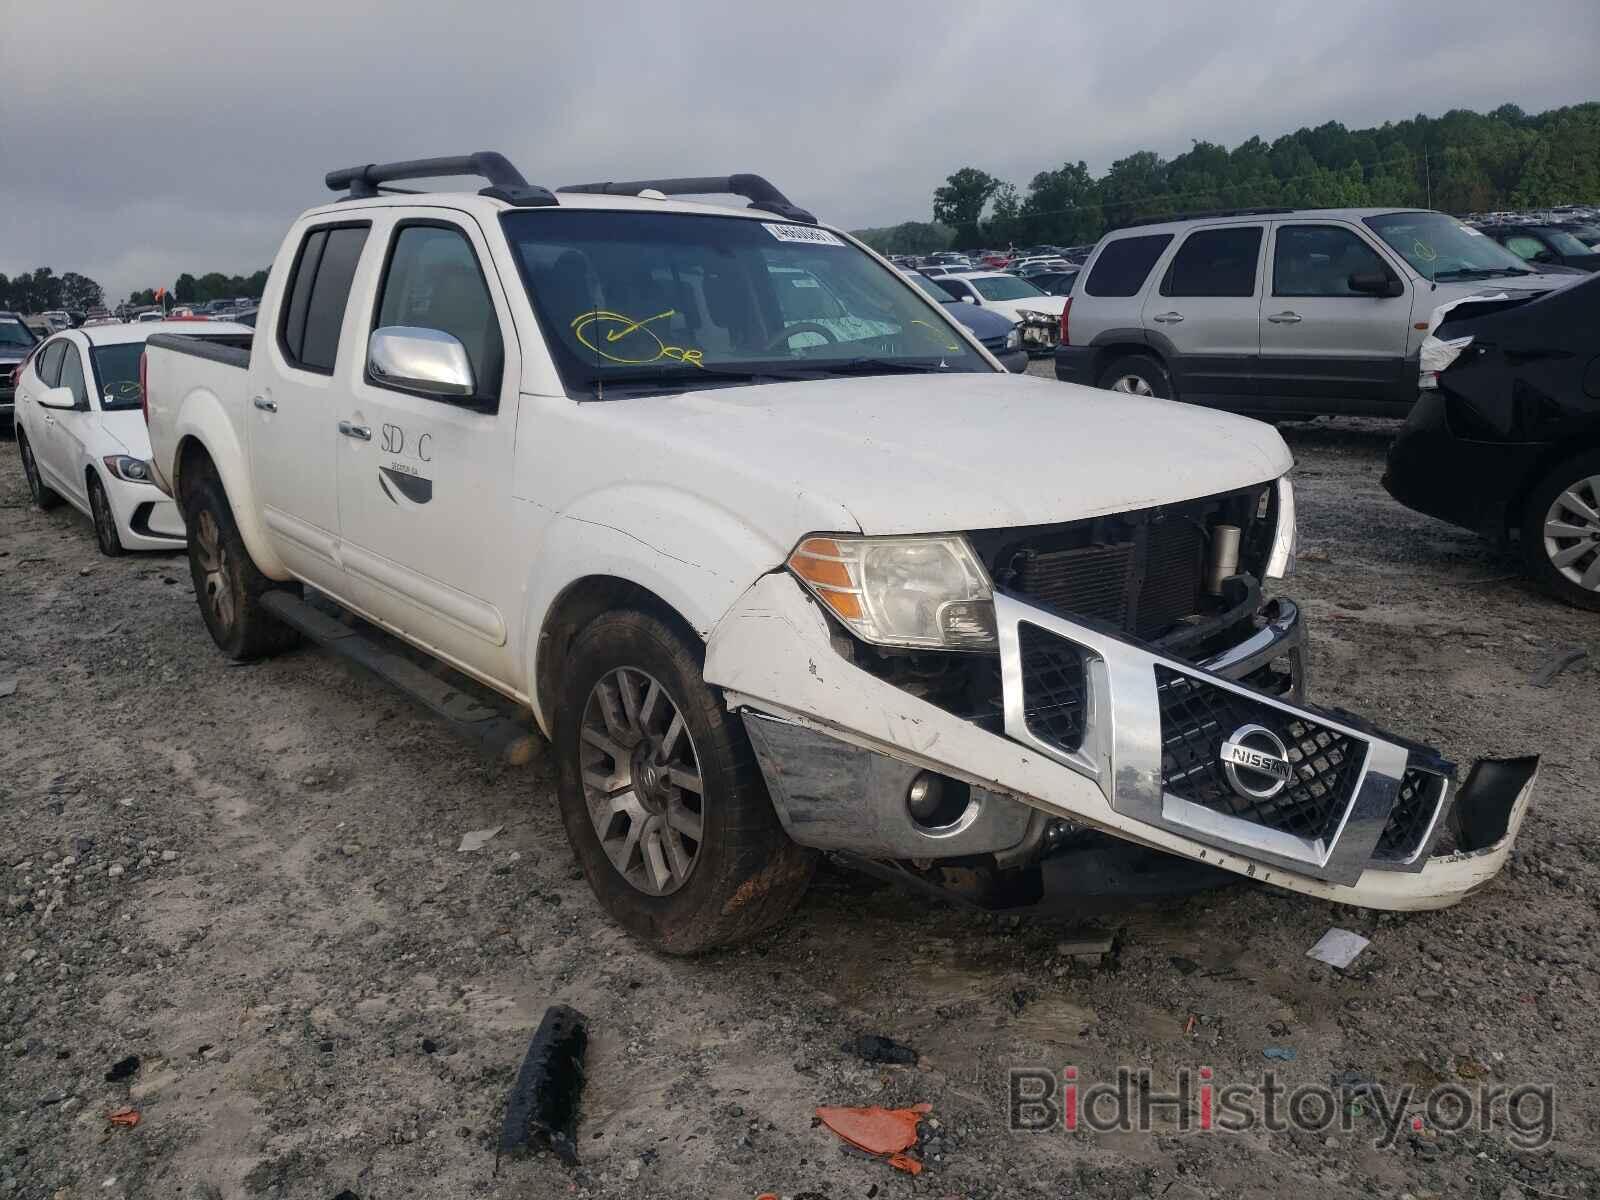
{"x":1572,"y":533}
{"x":641,"y":781}
{"x":1133,"y":385}
{"x":215,"y":567}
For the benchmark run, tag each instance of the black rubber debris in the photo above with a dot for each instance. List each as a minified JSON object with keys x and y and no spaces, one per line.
{"x":543,"y":1107}
{"x":122,"y":1069}
{"x":876,"y":1049}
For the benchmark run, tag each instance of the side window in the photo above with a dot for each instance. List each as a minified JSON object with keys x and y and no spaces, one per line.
{"x":49,"y":366}
{"x":433,"y":282}
{"x":315,"y":299}
{"x":1215,"y":262}
{"x":1124,"y":265}
{"x":72,"y":375}
{"x":1524,"y":246}
{"x":955,"y":287}
{"x":1318,"y":260}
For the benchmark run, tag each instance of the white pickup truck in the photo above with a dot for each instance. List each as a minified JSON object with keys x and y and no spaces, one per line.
{"x":782,"y":561}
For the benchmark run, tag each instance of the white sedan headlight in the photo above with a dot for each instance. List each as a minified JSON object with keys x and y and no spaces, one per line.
{"x":917,"y":592}
{"x":1014,"y":338}
{"x":128,"y":469}
{"x":1280,"y":562}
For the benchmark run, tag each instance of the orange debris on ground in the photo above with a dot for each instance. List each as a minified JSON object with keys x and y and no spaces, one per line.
{"x":124,"y":1116}
{"x":882,"y":1131}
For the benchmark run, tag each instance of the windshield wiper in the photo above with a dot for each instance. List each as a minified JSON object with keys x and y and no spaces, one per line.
{"x":1480,"y":272}
{"x":688,"y":380}
{"x":888,"y":366}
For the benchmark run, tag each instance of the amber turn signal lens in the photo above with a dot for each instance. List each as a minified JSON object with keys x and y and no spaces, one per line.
{"x":820,"y":562}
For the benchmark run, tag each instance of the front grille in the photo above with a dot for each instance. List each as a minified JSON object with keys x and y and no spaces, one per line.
{"x":1054,"y":687}
{"x":1142,"y":579}
{"x":1411,"y":819}
{"x":1197,"y":717}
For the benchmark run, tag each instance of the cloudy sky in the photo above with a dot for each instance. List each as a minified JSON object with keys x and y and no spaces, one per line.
{"x":141,"y":138}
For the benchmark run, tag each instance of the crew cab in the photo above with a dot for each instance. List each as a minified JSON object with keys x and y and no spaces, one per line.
{"x":776,"y":584}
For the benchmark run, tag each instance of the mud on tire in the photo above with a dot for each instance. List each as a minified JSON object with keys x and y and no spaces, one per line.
{"x":634,"y":718}
{"x":227,"y":584}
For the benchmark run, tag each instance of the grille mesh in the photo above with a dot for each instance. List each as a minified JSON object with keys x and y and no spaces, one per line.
{"x":1197,"y":717}
{"x":1409,"y":820}
{"x":1054,"y":687}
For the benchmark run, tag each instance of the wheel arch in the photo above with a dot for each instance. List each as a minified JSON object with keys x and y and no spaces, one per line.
{"x":1548,"y":460}
{"x":207,"y":439}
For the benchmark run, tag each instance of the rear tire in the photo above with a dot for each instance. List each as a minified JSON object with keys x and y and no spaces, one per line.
{"x":1138,"y":375}
{"x":105,"y":521}
{"x":44,"y":497}
{"x":227,"y":583}
{"x":1561,"y":531}
{"x":633,"y":698}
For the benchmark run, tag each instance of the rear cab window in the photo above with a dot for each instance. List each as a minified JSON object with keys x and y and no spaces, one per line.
{"x":1124,"y":264}
{"x":317,"y":295}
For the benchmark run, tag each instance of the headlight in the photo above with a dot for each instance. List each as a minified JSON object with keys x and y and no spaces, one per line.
{"x":1014,"y":338}
{"x":1029,"y":315}
{"x":128,"y":469}
{"x":1280,"y":563}
{"x":926,"y":592}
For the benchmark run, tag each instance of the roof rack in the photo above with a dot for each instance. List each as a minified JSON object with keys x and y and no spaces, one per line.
{"x":505,"y":181}
{"x":753,"y":188}
{"x":1205,"y":216}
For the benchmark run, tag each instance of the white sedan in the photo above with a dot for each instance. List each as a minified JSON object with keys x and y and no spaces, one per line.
{"x":1006,"y":294}
{"x":82,"y":435}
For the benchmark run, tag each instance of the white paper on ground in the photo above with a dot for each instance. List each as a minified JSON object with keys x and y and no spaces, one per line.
{"x":476,"y":839}
{"x":1338,"y":948}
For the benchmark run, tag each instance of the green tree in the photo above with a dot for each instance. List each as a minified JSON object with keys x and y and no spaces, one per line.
{"x":960,"y":203}
{"x":184,"y":291}
{"x":80,"y":293}
{"x":909,"y":237}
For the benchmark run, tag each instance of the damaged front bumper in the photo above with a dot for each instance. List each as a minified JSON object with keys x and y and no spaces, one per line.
{"x":1101,"y":733}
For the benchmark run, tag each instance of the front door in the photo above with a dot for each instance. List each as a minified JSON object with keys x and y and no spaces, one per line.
{"x":425,"y":501}
{"x":300,"y":365}
{"x":44,"y":438}
{"x":1207,"y":311}
{"x":1325,"y":347}
{"x":67,"y":435}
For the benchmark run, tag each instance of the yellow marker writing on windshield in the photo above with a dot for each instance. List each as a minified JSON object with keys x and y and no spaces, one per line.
{"x":935,"y":334}
{"x":647,"y":346}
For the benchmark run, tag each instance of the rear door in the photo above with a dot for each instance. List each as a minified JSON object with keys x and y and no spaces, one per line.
{"x":1205,"y":314}
{"x":294,"y":414}
{"x":425,"y":504}
{"x":1326,"y":348}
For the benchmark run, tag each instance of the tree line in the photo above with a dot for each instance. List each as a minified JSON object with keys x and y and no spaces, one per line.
{"x":1460,"y":162}
{"x":42,"y":290}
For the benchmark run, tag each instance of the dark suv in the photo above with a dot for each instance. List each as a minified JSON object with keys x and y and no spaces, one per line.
{"x":16,"y":343}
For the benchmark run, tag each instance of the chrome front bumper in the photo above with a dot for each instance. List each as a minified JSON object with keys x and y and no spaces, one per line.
{"x":1135,"y":764}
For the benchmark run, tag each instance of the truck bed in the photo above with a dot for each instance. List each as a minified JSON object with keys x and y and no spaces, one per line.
{"x":192,"y":374}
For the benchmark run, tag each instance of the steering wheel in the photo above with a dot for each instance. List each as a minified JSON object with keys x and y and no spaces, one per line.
{"x":801,"y":327}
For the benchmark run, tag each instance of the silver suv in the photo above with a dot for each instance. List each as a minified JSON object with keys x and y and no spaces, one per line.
{"x":1277,"y":312}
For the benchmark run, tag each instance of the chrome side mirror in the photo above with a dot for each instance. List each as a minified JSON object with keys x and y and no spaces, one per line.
{"x":421,"y":360}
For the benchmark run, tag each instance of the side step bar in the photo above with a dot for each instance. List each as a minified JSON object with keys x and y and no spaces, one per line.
{"x":511,"y":742}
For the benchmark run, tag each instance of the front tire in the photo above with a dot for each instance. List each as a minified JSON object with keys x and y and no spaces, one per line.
{"x":1561,"y":531}
{"x":44,"y":497}
{"x":227,"y":583}
{"x":105,"y":521}
{"x":661,"y":795}
{"x":1137,"y":375}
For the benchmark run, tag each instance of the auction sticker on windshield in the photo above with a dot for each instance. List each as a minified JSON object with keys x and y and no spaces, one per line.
{"x":802,"y":233}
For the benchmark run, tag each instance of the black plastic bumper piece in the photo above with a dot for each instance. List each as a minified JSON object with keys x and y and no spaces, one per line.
{"x":543,"y":1107}
{"x":1482,"y":813}
{"x":1075,"y":364}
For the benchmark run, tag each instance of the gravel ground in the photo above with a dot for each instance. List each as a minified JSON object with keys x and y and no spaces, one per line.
{"x":248,"y":878}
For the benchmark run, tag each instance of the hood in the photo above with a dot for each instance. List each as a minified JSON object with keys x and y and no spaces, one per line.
{"x":1049,"y":305}
{"x":986,"y":323}
{"x":1443,"y":293}
{"x":126,"y":427}
{"x":923,"y":454}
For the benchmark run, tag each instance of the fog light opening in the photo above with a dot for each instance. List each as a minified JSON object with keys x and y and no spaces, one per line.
{"x":936,"y":801}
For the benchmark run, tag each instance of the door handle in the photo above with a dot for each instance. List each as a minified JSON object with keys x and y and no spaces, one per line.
{"x":362,"y":433}
{"x":1168,"y":318}
{"x":1285,"y":318}
{"x":265,"y":405}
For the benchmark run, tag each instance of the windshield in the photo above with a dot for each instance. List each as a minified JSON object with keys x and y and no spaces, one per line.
{"x":116,"y":370}
{"x":678,"y":300}
{"x":1440,"y":247}
{"x":932,"y":288}
{"x":1004,"y":287}
{"x":15,"y":335}
{"x":1562,"y":241}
